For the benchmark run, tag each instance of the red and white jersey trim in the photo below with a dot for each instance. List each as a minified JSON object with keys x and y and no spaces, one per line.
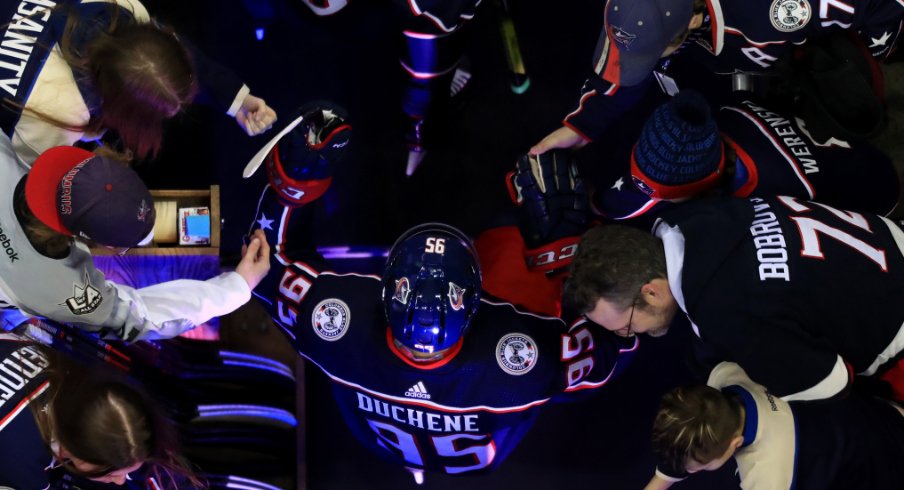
{"x":22,"y":404}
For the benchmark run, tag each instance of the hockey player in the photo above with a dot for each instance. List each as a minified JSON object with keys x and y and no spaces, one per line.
{"x":853,"y":443}
{"x":731,"y":36}
{"x":428,"y":371}
{"x":431,"y":59}
{"x":746,"y":150}
{"x":71,"y":195}
{"x":800,"y":294}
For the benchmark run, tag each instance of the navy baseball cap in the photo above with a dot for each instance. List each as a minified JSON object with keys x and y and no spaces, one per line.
{"x":78,"y":193}
{"x":639,"y":31}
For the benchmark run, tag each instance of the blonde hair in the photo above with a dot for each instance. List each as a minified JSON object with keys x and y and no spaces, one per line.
{"x":695,"y":422}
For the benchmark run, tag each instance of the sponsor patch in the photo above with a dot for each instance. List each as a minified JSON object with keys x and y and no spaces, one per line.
{"x":790,"y":15}
{"x":330,"y":319}
{"x":516,"y":353}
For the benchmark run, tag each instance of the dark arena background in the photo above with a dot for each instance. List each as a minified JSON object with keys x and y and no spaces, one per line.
{"x":289,"y":56}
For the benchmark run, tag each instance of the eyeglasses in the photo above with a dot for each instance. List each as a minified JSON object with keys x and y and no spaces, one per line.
{"x":628,"y":331}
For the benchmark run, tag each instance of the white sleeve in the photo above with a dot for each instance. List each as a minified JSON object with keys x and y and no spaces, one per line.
{"x":238,"y":101}
{"x":167,"y":309}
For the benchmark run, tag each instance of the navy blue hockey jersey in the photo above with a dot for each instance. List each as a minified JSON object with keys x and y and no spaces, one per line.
{"x":463,"y":413}
{"x":748,"y":36}
{"x":799,"y":294}
{"x":23,"y":455}
{"x":775,"y":156}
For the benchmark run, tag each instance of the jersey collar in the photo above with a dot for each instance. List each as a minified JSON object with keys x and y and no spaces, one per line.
{"x":453,"y":351}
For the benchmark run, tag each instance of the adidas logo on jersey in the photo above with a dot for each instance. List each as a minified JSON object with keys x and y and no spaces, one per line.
{"x":418,"y":391}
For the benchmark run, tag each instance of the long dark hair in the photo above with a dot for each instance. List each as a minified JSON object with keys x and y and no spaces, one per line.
{"x":110,"y":422}
{"x":140,"y":73}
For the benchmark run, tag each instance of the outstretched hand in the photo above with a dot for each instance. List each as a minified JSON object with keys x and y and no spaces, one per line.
{"x":255,"y":261}
{"x":255,"y":116}
{"x":563,"y":137}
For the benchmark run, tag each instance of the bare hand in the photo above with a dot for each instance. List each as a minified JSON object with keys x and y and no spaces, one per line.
{"x":563,"y":137}
{"x":255,"y":261}
{"x":255,"y":116}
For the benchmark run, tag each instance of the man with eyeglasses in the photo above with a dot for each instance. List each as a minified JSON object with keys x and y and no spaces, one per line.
{"x":800,"y":294}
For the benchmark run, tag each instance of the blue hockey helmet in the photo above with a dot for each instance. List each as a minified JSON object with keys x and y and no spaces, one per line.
{"x":431,"y":287}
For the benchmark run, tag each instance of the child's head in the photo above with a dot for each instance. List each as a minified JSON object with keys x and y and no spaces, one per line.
{"x":697,"y":428}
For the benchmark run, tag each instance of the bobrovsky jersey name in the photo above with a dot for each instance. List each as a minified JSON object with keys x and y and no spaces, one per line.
{"x":818,"y":227}
{"x":769,"y":240}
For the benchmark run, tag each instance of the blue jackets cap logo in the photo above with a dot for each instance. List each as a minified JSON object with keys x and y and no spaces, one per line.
{"x":456,"y":296}
{"x":402,"y":291}
{"x":622,"y":36}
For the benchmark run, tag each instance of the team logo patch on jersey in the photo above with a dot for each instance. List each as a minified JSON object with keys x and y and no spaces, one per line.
{"x":85,"y":298}
{"x":516,"y":353}
{"x":622,"y":36}
{"x":418,"y":390}
{"x":402,"y":291}
{"x":790,"y":15}
{"x":330,"y":319}
{"x":456,"y":296}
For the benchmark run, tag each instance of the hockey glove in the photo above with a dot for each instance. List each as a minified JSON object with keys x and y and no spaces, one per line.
{"x":553,"y":208}
{"x":300,"y":166}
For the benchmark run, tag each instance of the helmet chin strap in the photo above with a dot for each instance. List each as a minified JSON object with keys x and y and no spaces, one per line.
{"x":417,"y":356}
{"x":432,"y":361}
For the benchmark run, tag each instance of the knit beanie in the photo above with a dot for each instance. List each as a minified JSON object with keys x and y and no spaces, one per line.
{"x":679,"y":152}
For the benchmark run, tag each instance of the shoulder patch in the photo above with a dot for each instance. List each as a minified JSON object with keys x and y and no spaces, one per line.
{"x":517,"y":353}
{"x":330,"y":319}
{"x":790,"y":15}
{"x":85,"y":298}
